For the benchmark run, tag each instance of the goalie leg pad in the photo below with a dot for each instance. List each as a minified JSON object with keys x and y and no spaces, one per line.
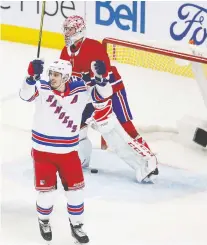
{"x":136,"y":155}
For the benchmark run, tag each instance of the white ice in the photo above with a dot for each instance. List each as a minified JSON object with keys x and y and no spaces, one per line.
{"x":117,"y":209}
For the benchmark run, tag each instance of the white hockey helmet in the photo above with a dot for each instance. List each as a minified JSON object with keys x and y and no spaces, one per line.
{"x":76,"y":22}
{"x":63,"y":67}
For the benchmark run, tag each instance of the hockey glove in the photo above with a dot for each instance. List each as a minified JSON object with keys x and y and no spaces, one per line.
{"x":35,"y":69}
{"x":86,"y":76}
{"x":99,"y":69}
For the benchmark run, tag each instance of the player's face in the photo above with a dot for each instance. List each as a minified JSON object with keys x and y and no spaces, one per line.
{"x":55,"y":79}
{"x":69,"y":31}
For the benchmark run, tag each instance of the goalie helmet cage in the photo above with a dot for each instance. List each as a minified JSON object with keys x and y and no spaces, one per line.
{"x":178,"y":59}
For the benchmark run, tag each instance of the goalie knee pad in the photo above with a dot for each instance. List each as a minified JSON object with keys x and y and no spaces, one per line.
{"x":84,"y":151}
{"x":85,"y":147}
{"x":83,"y":133}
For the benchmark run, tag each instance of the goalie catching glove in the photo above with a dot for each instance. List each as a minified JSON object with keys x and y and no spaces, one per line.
{"x":136,"y":155}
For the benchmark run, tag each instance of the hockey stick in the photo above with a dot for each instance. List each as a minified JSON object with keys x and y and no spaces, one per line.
{"x":41,"y":25}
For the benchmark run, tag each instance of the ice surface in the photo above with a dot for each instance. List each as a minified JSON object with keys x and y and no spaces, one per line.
{"x":117,"y":209}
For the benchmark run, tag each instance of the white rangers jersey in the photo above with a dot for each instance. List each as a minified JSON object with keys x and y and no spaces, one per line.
{"x":57,"y":117}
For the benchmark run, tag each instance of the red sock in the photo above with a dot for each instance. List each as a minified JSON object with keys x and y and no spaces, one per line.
{"x":141,"y":141}
{"x":130,"y":129}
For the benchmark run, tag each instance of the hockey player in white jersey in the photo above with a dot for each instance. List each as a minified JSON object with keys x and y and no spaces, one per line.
{"x":59,"y":104}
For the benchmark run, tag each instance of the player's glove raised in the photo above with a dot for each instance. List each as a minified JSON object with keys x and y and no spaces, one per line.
{"x":98,"y":67}
{"x":35,"y":69}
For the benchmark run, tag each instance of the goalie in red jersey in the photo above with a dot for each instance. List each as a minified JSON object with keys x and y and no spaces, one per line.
{"x":81,"y":52}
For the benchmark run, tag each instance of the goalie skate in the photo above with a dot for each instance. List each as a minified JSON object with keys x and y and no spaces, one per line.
{"x":151,"y":178}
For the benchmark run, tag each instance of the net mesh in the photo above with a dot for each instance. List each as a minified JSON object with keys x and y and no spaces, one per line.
{"x":159,"y":62}
{"x":165,"y":90}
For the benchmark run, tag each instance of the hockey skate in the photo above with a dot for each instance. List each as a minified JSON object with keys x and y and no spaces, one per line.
{"x":45,"y":230}
{"x":78,"y":234}
{"x":150,"y":179}
{"x":147,"y":173}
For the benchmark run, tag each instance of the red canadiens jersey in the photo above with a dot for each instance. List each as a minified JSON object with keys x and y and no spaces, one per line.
{"x":81,"y":57}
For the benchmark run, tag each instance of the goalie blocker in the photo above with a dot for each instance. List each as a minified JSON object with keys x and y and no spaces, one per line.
{"x":136,"y":155}
{"x":200,"y":137}
{"x":193,"y":132}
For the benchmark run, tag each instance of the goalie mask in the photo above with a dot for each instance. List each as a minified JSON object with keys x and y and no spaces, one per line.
{"x":73,"y":29}
{"x":59,"y":73}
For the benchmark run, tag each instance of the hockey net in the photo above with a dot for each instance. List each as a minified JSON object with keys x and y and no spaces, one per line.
{"x":163,"y":81}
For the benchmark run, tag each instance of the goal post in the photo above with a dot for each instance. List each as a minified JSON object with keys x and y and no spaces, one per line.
{"x":187,"y":61}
